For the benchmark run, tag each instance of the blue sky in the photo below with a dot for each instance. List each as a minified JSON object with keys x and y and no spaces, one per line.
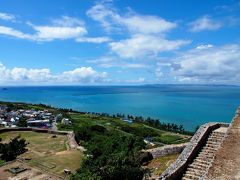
{"x":80,"y":42}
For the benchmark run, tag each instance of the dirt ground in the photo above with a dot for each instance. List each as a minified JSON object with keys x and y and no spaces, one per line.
{"x":30,"y":174}
{"x":227,"y":161}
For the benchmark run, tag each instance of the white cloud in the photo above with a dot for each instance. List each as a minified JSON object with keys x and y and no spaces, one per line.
{"x":110,"y":61}
{"x":147,"y":32}
{"x":216,"y":64}
{"x":84,"y":75}
{"x":105,"y":14}
{"x":44,"y":76}
{"x":48,"y":33}
{"x":66,"y":21}
{"x":8,"y":31}
{"x":140,"y":46}
{"x":147,"y":24}
{"x":139,"y":80}
{"x":7,"y":17}
{"x":60,"y":29}
{"x":135,"y":23}
{"x":204,"y":23}
{"x":93,"y":39}
{"x":204,"y":46}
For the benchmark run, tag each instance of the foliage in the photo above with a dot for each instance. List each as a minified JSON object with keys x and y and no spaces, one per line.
{"x":167,"y":139}
{"x":10,"y":151}
{"x":111,"y":155}
{"x":22,"y":122}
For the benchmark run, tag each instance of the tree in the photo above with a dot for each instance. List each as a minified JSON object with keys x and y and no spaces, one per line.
{"x":10,"y":151}
{"x":112,"y":156}
{"x":22,"y":122}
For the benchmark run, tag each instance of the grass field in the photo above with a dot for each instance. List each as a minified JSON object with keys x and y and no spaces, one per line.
{"x":159,"y":165}
{"x":46,"y":152}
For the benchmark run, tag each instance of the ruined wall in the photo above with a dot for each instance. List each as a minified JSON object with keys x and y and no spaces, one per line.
{"x":189,"y":153}
{"x":166,"y":150}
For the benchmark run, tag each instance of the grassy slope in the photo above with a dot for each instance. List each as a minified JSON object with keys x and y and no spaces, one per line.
{"x":138,"y":129}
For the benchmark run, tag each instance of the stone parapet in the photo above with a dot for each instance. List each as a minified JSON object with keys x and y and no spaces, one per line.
{"x":176,"y":170}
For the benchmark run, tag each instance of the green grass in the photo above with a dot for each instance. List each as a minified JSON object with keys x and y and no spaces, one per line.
{"x":38,"y":141}
{"x":1,"y":162}
{"x":159,"y":165}
{"x":47,"y":153}
{"x":137,"y":129}
{"x":167,"y":138}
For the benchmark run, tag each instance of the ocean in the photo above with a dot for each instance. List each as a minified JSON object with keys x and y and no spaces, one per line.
{"x":189,"y":105}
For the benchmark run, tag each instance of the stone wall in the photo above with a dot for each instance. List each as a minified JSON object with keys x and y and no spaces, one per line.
{"x":176,"y":170}
{"x":166,"y":150}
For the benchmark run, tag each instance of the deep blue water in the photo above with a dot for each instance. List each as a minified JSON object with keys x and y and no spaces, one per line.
{"x":180,"y":104}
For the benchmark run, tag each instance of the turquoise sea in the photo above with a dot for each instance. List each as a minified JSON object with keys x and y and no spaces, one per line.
{"x":189,"y":105}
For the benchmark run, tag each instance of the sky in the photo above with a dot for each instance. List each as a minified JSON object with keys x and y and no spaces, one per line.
{"x":119,"y":42}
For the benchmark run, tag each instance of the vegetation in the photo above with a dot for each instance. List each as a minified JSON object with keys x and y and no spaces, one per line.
{"x":113,"y":145}
{"x":10,"y":151}
{"x":46,"y":152}
{"x":159,"y":165}
{"x":22,"y":122}
{"x":107,"y":158}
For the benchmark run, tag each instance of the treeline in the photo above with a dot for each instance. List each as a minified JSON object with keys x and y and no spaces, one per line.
{"x":156,"y":123}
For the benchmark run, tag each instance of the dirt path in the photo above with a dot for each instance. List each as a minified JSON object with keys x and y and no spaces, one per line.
{"x":227,"y":162}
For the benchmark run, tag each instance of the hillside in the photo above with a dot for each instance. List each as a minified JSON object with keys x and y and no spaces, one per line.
{"x":112,"y":142}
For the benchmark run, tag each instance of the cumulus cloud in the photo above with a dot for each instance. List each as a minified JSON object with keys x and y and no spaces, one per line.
{"x":215,"y":64}
{"x":84,"y":75}
{"x":147,"y":32}
{"x":44,"y":76}
{"x":140,"y":46}
{"x":7,"y":17}
{"x":204,"y":23}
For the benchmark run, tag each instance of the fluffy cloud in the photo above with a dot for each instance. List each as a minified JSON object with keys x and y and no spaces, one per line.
{"x":84,"y":75}
{"x":7,"y":17}
{"x":62,"y":28}
{"x":140,"y":46}
{"x":147,"y":33}
{"x":135,"y":23}
{"x":59,"y":29}
{"x":44,"y":76}
{"x":204,"y":23}
{"x":215,"y":64}
{"x":48,"y":33}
